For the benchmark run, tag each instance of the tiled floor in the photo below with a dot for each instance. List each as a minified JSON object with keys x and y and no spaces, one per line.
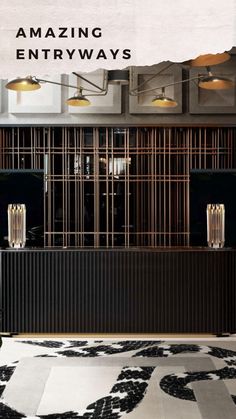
{"x":113,"y":378}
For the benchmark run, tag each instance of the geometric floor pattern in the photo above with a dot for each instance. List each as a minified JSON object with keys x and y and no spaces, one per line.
{"x":115,"y":378}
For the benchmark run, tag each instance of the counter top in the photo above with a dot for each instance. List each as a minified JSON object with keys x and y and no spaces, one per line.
{"x":120,"y":249}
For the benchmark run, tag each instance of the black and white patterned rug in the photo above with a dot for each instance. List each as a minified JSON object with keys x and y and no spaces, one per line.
{"x":111,"y":379}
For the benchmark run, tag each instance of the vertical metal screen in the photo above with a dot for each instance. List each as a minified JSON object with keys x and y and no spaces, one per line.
{"x":113,"y":186}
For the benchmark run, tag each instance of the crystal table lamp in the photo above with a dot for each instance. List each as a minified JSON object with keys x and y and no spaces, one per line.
{"x":216,"y":225}
{"x":16,"y":225}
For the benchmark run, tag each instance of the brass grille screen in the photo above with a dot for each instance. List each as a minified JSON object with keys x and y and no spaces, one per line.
{"x":113,"y":186}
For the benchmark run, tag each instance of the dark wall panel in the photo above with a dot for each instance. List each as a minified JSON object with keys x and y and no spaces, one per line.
{"x":115,"y":291}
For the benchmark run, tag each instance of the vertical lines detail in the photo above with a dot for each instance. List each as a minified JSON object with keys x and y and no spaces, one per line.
{"x":117,"y":187}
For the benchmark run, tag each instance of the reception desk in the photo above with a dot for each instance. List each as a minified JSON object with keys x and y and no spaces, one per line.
{"x":177,"y":290}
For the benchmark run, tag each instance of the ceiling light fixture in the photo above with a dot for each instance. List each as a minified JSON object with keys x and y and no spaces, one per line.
{"x":33,"y":83}
{"x":127,"y":76}
{"x":209,"y":59}
{"x":211,"y":82}
{"x":163,"y":101}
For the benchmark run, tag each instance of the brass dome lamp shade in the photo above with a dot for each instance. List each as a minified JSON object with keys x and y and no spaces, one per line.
{"x":163,"y":101}
{"x":211,"y":82}
{"x":78,"y":100}
{"x":25,"y":84}
{"x":206,"y":60}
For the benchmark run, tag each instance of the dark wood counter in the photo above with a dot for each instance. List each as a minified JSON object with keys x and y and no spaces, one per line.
{"x":177,"y":290}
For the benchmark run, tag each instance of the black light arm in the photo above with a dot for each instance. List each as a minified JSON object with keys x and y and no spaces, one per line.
{"x":54,"y":82}
{"x":134,"y":91}
{"x":103,"y":89}
{"x":167,"y":85}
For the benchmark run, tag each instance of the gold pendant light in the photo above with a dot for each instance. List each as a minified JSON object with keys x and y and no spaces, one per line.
{"x":78,"y":100}
{"x":163,"y":101}
{"x":25,"y":84}
{"x":211,"y":82}
{"x":206,"y":60}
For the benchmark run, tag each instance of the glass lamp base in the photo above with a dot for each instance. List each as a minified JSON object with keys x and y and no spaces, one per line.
{"x":216,"y":245}
{"x":17,"y":246}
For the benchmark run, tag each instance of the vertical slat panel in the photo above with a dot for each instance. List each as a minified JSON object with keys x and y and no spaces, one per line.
{"x":115,"y":291}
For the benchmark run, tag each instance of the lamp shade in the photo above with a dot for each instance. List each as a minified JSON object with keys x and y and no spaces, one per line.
{"x":26,"y":84}
{"x":164,"y":102}
{"x":78,"y":100}
{"x":215,"y":83}
{"x":209,"y":59}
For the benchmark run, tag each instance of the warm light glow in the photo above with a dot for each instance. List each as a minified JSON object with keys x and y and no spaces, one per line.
{"x":164,"y":102}
{"x":216,"y":83}
{"x":78,"y":100}
{"x":209,"y":59}
{"x":26,"y":84}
